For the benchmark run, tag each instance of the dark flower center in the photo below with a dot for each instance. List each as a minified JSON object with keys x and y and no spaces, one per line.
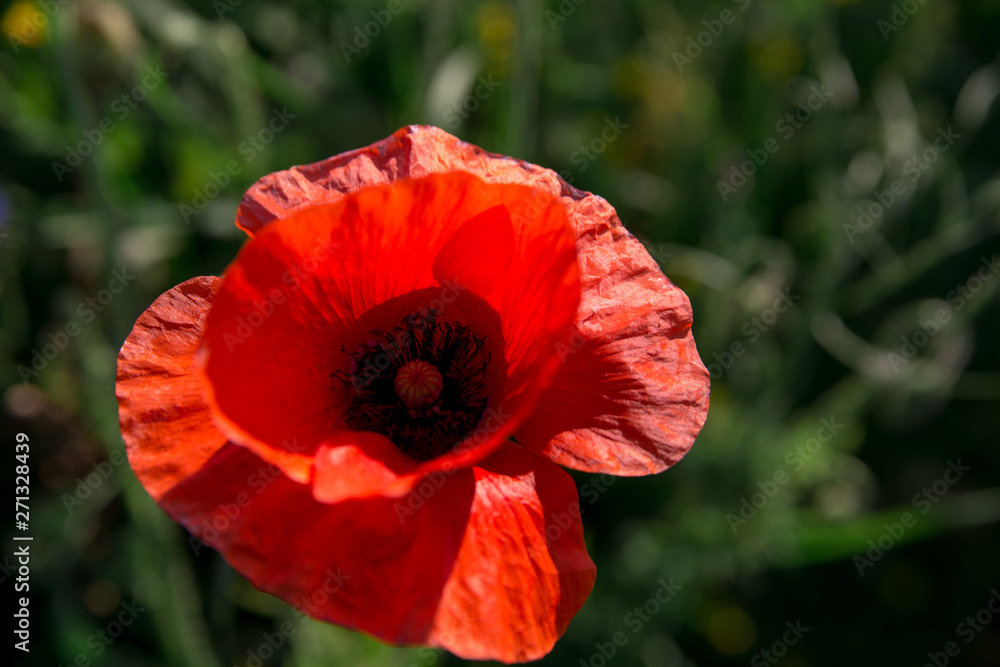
{"x":421,"y":384}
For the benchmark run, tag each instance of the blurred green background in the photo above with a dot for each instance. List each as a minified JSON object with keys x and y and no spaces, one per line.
{"x":829,"y":421}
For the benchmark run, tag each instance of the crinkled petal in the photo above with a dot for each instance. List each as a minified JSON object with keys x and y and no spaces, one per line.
{"x":165,"y":420}
{"x":523,"y":569}
{"x":632,"y":394}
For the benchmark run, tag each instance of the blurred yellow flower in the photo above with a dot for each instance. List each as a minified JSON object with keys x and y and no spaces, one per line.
{"x":24,"y":24}
{"x":731,"y":631}
{"x":777,"y":60}
{"x":497,"y":28}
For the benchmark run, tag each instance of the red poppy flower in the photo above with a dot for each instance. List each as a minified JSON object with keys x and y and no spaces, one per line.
{"x":365,"y":413}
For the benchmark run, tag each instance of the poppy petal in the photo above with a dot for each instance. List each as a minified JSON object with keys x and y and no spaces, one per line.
{"x":478,"y":254}
{"x":410,"y":152}
{"x":356,"y":464}
{"x":165,"y":421}
{"x":490,"y":565}
{"x":633,"y":393}
{"x":523,"y":569}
